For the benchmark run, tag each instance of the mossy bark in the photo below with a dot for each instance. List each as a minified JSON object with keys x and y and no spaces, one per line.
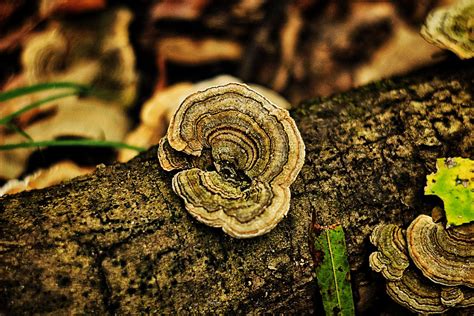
{"x":120,"y":241}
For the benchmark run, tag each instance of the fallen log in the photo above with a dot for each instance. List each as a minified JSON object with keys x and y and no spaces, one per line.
{"x":120,"y":241}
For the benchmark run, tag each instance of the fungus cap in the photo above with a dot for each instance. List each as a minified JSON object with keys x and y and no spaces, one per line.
{"x":451,"y":27}
{"x":238,"y":154}
{"x":420,"y":295}
{"x":391,"y":259}
{"x":416,"y":293}
{"x":445,"y":256}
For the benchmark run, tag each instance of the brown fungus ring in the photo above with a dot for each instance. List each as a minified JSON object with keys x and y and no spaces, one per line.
{"x":238,"y":154}
{"x":445,"y":256}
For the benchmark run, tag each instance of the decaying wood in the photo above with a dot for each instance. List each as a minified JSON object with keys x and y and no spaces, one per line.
{"x":120,"y":241}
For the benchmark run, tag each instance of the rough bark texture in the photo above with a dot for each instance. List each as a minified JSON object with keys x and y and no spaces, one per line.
{"x":120,"y":241}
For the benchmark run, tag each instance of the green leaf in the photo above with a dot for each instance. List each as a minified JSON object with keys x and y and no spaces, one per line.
{"x":71,"y":142}
{"x":332,"y":269}
{"x":7,"y":95}
{"x":453,"y":182}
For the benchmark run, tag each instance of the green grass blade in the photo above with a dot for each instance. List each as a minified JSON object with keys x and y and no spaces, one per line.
{"x":8,"y":118}
{"x":71,"y":142}
{"x":20,"y":131}
{"x":7,"y":95}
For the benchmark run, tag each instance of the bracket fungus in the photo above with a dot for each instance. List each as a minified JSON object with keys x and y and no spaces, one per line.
{"x":445,"y":256}
{"x":451,"y":27}
{"x":237,"y":154}
{"x":420,"y":295}
{"x":391,"y":259}
{"x":430,"y":269}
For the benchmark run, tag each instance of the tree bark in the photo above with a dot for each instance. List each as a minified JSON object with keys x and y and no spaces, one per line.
{"x":120,"y":240}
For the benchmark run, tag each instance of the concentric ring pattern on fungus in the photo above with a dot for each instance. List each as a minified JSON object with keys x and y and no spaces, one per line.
{"x":238,"y":154}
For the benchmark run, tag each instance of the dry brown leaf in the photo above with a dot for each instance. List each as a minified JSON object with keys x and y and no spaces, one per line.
{"x":94,"y":51}
{"x":15,"y":37}
{"x":245,"y":8}
{"x":49,"y":7}
{"x":143,"y":136}
{"x":289,"y":36}
{"x":193,"y":52}
{"x":162,"y":104}
{"x":271,"y":95}
{"x":196,"y":51}
{"x":43,"y":178}
{"x":178,"y":9}
{"x":85,"y":118}
{"x":7,"y":8}
{"x":371,"y":41}
{"x":404,"y":51}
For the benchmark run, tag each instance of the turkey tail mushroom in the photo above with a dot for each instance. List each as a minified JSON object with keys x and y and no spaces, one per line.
{"x":431,"y":269}
{"x":239,"y":152}
{"x":445,"y":256}
{"x":391,"y":259}
{"x":452,"y":28}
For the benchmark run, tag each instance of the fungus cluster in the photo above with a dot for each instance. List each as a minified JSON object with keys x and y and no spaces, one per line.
{"x":237,"y":154}
{"x":428,"y":268}
{"x":451,"y":27}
